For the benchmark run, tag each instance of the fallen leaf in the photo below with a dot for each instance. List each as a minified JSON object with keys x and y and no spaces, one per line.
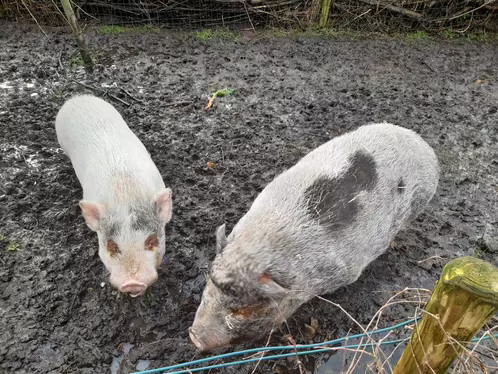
{"x":120,"y":347}
{"x":314,"y":323}
{"x":309,"y":332}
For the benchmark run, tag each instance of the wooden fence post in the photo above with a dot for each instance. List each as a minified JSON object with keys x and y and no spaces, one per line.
{"x":73,"y":23}
{"x":324,"y":14}
{"x":464,"y":299}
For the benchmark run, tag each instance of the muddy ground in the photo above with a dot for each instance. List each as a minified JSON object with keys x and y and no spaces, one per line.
{"x":58,"y":314}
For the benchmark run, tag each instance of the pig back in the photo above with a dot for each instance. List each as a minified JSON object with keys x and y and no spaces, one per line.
{"x":337,"y":209}
{"x":103,"y":149}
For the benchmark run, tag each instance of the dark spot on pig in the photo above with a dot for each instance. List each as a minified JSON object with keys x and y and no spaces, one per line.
{"x":144,"y":219}
{"x":332,"y":201}
{"x":113,"y":230}
{"x":401,"y":186}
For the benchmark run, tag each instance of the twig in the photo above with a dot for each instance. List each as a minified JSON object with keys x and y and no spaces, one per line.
{"x":393,"y":8}
{"x":131,"y":96}
{"x":436,"y":257}
{"x":88,"y":86}
{"x":102,"y":91}
{"x":60,"y":60}
{"x":118,"y":99}
{"x":248,"y":16}
{"x":34,"y":18}
{"x":177,"y":103}
{"x":471,"y":11}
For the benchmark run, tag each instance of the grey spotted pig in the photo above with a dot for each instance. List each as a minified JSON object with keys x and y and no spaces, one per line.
{"x":124,"y":197}
{"x":314,"y":229}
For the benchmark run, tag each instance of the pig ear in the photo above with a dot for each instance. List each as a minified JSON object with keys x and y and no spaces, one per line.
{"x":270,"y":287}
{"x":164,"y":203}
{"x":221,"y":238}
{"x":93,"y":213}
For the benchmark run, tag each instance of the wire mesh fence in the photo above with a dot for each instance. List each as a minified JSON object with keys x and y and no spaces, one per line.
{"x":378,"y":15}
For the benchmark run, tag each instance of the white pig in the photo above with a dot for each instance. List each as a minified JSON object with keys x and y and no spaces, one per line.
{"x":124,"y":197}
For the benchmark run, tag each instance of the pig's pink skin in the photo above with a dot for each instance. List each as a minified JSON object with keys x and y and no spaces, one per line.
{"x":124,"y":197}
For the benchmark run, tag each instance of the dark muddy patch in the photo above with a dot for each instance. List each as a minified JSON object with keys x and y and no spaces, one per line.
{"x":58,"y":312}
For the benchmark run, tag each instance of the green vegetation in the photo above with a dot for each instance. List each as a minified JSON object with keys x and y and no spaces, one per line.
{"x":111,"y":29}
{"x":148,"y":297}
{"x":219,"y":33}
{"x":98,"y":57}
{"x":204,"y":34}
{"x":115,"y":29}
{"x":332,"y":33}
{"x":10,"y":246}
{"x":76,"y":61}
{"x":417,"y":35}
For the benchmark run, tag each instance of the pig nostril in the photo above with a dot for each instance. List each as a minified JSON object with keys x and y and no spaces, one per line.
{"x":133,"y":287}
{"x":194,"y":339}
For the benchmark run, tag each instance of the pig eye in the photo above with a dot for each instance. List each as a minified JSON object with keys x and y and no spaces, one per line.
{"x":152,"y":243}
{"x":112,"y":247}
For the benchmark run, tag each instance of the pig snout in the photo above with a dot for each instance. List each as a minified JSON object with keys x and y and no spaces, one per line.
{"x":133,"y":287}
{"x":207,"y":341}
{"x":137,"y":286}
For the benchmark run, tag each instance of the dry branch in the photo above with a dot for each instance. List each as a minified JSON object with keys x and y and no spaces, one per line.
{"x":393,"y":8}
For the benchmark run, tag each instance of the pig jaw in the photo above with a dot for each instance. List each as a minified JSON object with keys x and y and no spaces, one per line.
{"x":208,"y":342}
{"x":208,"y":336}
{"x":216,"y":326}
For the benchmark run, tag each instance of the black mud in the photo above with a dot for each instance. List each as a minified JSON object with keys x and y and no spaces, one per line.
{"x":58,"y":314}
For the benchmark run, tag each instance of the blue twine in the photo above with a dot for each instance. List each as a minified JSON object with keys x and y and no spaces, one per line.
{"x":288,"y":347}
{"x":278,"y":356}
{"x":278,"y":348}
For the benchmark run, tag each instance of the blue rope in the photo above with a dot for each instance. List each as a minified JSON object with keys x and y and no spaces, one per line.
{"x":281,"y":356}
{"x":279,"y":348}
{"x":274,"y":348}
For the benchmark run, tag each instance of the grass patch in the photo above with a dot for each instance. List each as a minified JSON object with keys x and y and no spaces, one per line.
{"x":314,"y":32}
{"x":204,"y":34}
{"x":220,"y":33}
{"x":417,"y":35}
{"x":332,"y":33}
{"x":111,"y":29}
{"x":116,"y":30}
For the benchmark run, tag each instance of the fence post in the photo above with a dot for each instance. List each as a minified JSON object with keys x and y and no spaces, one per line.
{"x":464,"y":299}
{"x":73,"y":23}
{"x":324,"y":14}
